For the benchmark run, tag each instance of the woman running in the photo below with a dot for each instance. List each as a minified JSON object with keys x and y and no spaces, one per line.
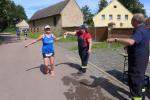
{"x":47,"y":49}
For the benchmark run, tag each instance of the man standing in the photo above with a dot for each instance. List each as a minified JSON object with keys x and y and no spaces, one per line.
{"x":138,"y":55}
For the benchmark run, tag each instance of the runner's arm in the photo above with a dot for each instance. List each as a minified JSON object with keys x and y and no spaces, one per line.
{"x":34,"y":41}
{"x":58,"y":38}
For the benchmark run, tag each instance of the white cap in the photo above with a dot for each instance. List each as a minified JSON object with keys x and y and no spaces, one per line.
{"x":47,"y":27}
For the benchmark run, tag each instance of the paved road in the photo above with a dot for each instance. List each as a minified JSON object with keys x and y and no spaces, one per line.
{"x":21,"y":76}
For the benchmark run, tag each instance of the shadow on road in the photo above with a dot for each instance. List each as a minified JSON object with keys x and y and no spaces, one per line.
{"x":41,"y":67}
{"x":111,"y":88}
{"x":116,"y":73}
{"x":119,"y":75}
{"x":7,"y":38}
{"x":73,"y":65}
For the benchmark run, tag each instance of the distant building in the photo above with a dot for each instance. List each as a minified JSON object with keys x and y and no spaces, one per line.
{"x":22,"y":25}
{"x":61,"y":16}
{"x":116,"y":13}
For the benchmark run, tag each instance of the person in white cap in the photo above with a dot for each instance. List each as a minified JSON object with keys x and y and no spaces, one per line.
{"x":47,"y":49}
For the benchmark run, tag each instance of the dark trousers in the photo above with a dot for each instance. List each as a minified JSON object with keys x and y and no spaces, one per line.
{"x":84,"y":56}
{"x":136,"y":80}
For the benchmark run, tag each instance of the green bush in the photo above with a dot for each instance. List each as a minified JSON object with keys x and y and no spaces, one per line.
{"x":10,"y":30}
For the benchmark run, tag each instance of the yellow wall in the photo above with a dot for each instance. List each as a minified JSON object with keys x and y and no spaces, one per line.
{"x":72,"y":15}
{"x":110,"y":10}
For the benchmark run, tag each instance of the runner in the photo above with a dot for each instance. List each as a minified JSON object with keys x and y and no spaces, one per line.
{"x":84,"y":46}
{"x":18,"y":32}
{"x":25,"y":33}
{"x":47,"y":49}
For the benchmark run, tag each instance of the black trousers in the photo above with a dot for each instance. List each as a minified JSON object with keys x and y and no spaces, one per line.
{"x":136,"y":79}
{"x":84,"y":56}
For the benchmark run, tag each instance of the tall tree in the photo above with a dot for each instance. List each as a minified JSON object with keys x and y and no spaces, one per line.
{"x":102,"y":4}
{"x":135,"y":6}
{"x":9,"y":13}
{"x":88,"y":16}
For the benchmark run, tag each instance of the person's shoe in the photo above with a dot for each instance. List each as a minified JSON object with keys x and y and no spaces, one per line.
{"x":82,"y":71}
{"x":52,"y":73}
{"x":46,"y":70}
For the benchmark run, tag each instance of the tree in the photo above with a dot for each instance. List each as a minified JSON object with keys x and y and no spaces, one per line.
{"x":88,"y":16}
{"x":135,"y":6}
{"x":102,"y":4}
{"x":9,"y":13}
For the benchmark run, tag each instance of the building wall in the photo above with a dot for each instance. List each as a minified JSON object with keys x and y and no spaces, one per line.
{"x":38,"y":25}
{"x":100,"y":34}
{"x":111,"y":10}
{"x":72,"y":15}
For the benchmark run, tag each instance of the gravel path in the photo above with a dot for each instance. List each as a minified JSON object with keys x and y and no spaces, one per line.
{"x":21,"y":76}
{"x":108,"y":59}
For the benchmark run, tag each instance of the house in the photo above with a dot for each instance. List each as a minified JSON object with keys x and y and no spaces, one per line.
{"x":22,"y":25}
{"x":63,"y":16}
{"x":116,"y":13}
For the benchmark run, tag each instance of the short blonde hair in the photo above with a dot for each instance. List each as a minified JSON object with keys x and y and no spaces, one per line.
{"x":139,"y":17}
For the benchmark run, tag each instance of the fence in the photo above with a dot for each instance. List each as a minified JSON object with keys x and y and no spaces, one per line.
{"x":101,"y":33}
{"x":98,"y":33}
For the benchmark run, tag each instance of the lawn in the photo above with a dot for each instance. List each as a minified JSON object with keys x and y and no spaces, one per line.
{"x":68,"y":39}
{"x":102,"y":45}
{"x":30,"y":34}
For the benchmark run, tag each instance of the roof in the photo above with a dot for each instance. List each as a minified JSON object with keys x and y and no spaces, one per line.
{"x":22,"y":24}
{"x":50,"y":11}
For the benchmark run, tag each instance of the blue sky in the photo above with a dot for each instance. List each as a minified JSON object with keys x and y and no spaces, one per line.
{"x":31,"y":6}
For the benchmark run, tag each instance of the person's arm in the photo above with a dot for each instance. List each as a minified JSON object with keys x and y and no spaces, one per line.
{"x":71,"y":33}
{"x":34,"y":41}
{"x":57,"y":38}
{"x":124,"y":41}
{"x":90,"y":45}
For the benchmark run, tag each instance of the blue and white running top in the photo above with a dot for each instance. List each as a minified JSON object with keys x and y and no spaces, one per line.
{"x":48,"y":44}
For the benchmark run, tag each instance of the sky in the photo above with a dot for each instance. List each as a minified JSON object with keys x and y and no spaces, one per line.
{"x":31,"y":6}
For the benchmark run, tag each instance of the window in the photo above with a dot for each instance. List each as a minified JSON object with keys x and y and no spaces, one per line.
{"x":115,"y":6}
{"x":55,"y":20}
{"x":118,"y":17}
{"x":103,"y":17}
{"x":126,"y":17}
{"x":121,"y":24}
{"x":110,"y":17}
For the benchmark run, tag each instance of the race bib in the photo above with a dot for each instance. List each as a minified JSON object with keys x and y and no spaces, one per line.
{"x":50,"y":54}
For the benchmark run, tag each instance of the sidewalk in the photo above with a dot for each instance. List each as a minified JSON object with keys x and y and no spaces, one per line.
{"x":21,"y":77}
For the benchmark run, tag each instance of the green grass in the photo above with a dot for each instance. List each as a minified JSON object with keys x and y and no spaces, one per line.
{"x":33,"y":35}
{"x":68,"y":39}
{"x":10,"y":30}
{"x":106,"y":45}
{"x":101,"y":45}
